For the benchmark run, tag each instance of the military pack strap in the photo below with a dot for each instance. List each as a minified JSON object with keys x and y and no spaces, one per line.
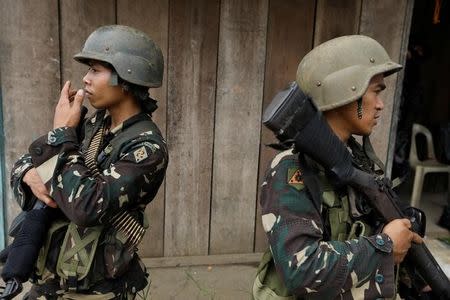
{"x":42,"y":258}
{"x":358,"y":229}
{"x":311,"y":182}
{"x":133,"y":132}
{"x":77,"y":252}
{"x":339,"y":219}
{"x":368,"y":150}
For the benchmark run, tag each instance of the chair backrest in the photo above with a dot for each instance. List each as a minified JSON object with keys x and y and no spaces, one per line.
{"x":420,"y":129}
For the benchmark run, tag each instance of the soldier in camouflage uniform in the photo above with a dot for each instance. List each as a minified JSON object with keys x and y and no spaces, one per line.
{"x":102,"y":175}
{"x":339,"y":250}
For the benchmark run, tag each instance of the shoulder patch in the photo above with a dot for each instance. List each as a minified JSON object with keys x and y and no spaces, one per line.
{"x":295,"y":178}
{"x":140,"y":154}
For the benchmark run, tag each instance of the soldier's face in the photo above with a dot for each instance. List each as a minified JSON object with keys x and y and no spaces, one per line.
{"x":372,"y":105}
{"x":98,"y":90}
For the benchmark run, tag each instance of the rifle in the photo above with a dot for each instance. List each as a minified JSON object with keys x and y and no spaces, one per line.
{"x":294,"y":119}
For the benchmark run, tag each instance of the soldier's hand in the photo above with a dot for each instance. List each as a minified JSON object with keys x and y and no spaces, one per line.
{"x":67,"y":112}
{"x":401,"y":235}
{"x":34,"y":181}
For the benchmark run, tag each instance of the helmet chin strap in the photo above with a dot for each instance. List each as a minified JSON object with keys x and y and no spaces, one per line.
{"x":114,"y":79}
{"x":359,"y":108}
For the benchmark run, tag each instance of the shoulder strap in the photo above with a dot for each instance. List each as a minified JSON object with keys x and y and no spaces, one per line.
{"x":135,"y":131}
{"x":311,"y":182}
{"x":313,"y":186}
{"x":368,"y":150}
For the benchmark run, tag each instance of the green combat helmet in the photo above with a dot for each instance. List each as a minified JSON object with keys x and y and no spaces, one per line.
{"x":338,"y":71}
{"x":134,"y":56}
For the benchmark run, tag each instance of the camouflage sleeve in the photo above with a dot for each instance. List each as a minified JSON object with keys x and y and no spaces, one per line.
{"x":308,"y":265}
{"x":22,"y":193}
{"x":89,"y":200}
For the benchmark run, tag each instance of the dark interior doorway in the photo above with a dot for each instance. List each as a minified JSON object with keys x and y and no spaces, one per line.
{"x":426,"y":101}
{"x":426,"y":89}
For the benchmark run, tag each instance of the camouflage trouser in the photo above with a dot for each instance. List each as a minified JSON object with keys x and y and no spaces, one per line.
{"x":42,"y":293}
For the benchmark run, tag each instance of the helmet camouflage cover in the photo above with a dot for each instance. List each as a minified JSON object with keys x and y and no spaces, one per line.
{"x":338,"y":71}
{"x":134,"y":56}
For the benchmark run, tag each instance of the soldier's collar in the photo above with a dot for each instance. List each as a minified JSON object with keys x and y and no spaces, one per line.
{"x":127,"y":123}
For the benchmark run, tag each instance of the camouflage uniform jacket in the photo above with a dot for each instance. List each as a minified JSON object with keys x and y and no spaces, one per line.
{"x":311,"y":266}
{"x":128,"y":181}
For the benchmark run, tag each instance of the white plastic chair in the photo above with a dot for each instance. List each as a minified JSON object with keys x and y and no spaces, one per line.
{"x":422,"y":167}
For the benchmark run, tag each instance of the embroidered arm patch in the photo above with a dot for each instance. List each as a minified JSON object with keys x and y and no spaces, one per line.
{"x":140,"y":154}
{"x":295,"y":178}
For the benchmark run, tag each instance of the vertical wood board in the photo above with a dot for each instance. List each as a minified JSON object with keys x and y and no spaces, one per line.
{"x":336,"y":18}
{"x":29,"y":62}
{"x":242,"y":44}
{"x":190,"y":122}
{"x":152,"y":17}
{"x":79,"y":18}
{"x":289,"y":38}
{"x":389,"y":33}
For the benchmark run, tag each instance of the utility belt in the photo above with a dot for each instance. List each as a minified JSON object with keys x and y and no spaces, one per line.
{"x":77,"y":263}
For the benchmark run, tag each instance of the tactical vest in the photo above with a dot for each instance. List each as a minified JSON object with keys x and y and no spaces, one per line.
{"x":337,"y":211}
{"x":75,"y":263}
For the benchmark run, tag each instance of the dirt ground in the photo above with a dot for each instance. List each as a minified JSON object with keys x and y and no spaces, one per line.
{"x":232,"y":282}
{"x":205,"y":282}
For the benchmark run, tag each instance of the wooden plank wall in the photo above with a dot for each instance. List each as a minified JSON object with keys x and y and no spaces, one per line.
{"x":224,"y":61}
{"x":191,"y":100}
{"x":237,"y":130}
{"x":30,"y":68}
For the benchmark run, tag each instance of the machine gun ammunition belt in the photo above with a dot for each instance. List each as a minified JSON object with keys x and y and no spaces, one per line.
{"x":123,"y":222}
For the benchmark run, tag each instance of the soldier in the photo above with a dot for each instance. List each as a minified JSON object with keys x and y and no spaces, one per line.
{"x":102,"y":175}
{"x":339,"y":250}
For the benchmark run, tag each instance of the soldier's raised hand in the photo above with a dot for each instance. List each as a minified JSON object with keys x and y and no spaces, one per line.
{"x":67,"y":113}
